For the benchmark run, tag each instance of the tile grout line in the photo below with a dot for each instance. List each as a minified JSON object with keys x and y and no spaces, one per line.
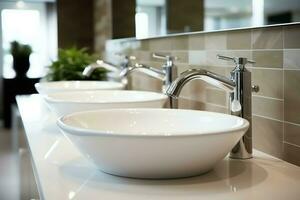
{"x":283,"y":86}
{"x":295,"y":145}
{"x":295,"y":49}
{"x":292,"y":123}
{"x":269,"y":118}
{"x":278,"y":120}
{"x":267,"y":68}
{"x":235,"y":50}
{"x":252,"y":43}
{"x":259,"y":50}
{"x":266,"y":97}
{"x":212,"y":104}
{"x":290,"y":69}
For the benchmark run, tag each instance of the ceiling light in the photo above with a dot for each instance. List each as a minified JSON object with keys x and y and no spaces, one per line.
{"x":20,"y":4}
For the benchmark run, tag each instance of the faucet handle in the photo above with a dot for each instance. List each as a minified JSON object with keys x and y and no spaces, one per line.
{"x":236,"y":60}
{"x":164,"y":57}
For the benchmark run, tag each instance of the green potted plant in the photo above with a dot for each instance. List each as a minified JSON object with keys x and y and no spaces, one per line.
{"x":70,"y":65}
{"x":21,"y":54}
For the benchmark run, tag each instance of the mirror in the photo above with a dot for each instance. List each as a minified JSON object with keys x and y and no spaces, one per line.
{"x":162,"y":17}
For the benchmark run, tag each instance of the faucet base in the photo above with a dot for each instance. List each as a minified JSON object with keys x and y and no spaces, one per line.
{"x":240,"y":151}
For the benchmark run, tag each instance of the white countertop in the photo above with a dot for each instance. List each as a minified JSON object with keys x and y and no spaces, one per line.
{"x":63,"y":173}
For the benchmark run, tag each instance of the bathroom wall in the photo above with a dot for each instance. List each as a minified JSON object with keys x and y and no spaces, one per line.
{"x":178,"y":21}
{"x":80,"y":33}
{"x":102,"y":24}
{"x":276,"y":50}
{"x":110,"y":23}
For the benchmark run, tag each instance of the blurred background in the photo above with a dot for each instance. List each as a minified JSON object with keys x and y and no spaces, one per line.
{"x":48,"y":25}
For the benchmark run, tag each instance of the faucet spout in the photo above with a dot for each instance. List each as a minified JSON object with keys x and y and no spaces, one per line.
{"x":214,"y":79}
{"x":239,"y":87}
{"x":88,"y":70}
{"x":151,"y":71}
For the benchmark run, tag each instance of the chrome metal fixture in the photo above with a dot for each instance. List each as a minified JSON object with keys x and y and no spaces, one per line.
{"x":88,"y":70}
{"x":239,"y":87}
{"x":167,"y":74}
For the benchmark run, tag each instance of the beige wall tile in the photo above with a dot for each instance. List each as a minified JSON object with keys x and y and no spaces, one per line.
{"x":292,"y":96}
{"x":268,"y":59}
{"x":291,"y":36}
{"x":291,"y":59}
{"x":292,"y":154}
{"x":160,"y":44}
{"x":179,"y":43}
{"x":215,"y":41}
{"x":142,"y":56}
{"x":144,"y":45}
{"x":196,"y":42}
{"x":267,"y":107}
{"x":196,"y":105}
{"x":270,"y":82}
{"x":239,"y":39}
{"x":292,"y":133}
{"x":181,"y":67}
{"x":268,"y":135}
{"x":140,"y":81}
{"x":197,"y":58}
{"x":215,"y":108}
{"x":216,"y":96}
{"x":267,"y":38}
{"x":171,"y":43}
{"x":185,"y":103}
{"x":182,"y":56}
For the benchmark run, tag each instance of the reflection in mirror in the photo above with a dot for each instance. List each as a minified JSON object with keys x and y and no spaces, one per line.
{"x":150,"y":18}
{"x":162,"y":17}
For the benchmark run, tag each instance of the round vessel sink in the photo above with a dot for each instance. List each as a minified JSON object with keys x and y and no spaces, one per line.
{"x":66,"y":86}
{"x":70,"y":102}
{"x":153,"y":143}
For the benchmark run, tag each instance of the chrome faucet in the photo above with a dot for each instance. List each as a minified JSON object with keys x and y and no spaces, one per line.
{"x":239,"y":88}
{"x":88,"y":70}
{"x":167,"y":74}
{"x":151,"y":71}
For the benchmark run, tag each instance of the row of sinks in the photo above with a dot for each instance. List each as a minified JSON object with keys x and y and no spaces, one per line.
{"x":67,"y":103}
{"x":132,"y":134}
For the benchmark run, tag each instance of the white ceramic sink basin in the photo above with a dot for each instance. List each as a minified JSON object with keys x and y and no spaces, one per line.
{"x":70,"y":102}
{"x":66,"y":86}
{"x":153,"y":143}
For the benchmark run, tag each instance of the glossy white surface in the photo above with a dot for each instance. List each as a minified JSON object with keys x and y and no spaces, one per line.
{"x":70,"y":102}
{"x":153,"y":143}
{"x":63,"y":173}
{"x":65,"y":86}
